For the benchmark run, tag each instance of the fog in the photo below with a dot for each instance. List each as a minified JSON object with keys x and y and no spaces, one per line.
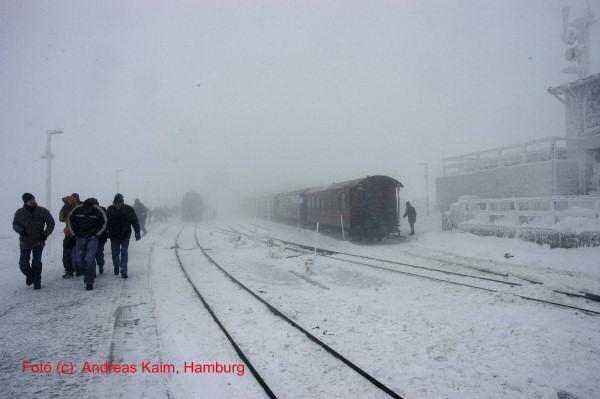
{"x":235,"y":99}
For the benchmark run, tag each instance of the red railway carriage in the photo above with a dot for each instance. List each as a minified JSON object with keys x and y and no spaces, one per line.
{"x":367,"y":207}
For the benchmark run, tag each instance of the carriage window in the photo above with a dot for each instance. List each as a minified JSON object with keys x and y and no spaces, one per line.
{"x":343,"y":200}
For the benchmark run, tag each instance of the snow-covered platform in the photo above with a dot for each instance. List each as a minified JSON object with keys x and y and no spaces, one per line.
{"x":420,"y":336}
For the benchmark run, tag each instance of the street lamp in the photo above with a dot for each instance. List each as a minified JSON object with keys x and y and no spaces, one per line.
{"x":426,"y":165}
{"x":118,"y":179}
{"x":48,"y":156}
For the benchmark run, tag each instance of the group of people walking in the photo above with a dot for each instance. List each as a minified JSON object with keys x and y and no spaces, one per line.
{"x":88,"y":227}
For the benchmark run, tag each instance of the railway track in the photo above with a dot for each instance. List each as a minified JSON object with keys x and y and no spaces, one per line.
{"x":331,"y":254}
{"x":343,"y":256}
{"x":479,"y":269}
{"x":276,"y":313}
{"x":268,"y":391}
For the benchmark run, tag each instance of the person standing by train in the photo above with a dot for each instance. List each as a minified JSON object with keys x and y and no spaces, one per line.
{"x":34,"y":224}
{"x":411,"y":212}
{"x":87,"y":223}
{"x":121,"y":218}
{"x":142,"y":214}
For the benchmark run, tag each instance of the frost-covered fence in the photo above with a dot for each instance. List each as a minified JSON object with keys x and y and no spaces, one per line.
{"x":547,"y":149}
{"x":542,"y":210}
{"x":561,"y":221}
{"x":548,"y":167}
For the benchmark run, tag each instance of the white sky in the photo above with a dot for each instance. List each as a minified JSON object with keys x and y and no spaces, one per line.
{"x":254,"y":96}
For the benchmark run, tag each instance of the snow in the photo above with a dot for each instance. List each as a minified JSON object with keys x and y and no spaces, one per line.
{"x":188,"y":333}
{"x":431,"y":339}
{"x":63,"y":322}
{"x":421,"y":338}
{"x":576,"y":268}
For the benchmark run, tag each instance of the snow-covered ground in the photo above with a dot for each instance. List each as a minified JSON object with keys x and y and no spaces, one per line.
{"x":421,"y":338}
{"x":571,"y":269}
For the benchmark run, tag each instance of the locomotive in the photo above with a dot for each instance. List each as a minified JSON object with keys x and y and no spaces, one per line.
{"x":192,"y":207}
{"x":366,"y":208}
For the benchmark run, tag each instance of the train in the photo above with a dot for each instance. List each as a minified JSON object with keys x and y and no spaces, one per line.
{"x":364,"y":209}
{"x":192,"y":207}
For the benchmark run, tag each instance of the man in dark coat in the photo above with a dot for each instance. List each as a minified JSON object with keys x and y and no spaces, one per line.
{"x":121,"y":218}
{"x":69,"y":256}
{"x":101,"y":243}
{"x":87,"y":222}
{"x":34,"y":224}
{"x":411,"y":212}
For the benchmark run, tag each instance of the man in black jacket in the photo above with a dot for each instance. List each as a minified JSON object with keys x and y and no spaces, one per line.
{"x":33,"y":224}
{"x":87,"y":222}
{"x":121,"y":218}
{"x":101,"y":242}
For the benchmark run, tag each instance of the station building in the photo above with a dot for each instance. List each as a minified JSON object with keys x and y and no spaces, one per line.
{"x":553,"y":166}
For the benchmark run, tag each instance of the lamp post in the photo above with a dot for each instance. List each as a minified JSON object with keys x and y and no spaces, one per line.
{"x":48,"y":156}
{"x":426,"y":165}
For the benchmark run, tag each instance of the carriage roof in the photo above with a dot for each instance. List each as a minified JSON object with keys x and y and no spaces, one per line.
{"x":350,"y":184}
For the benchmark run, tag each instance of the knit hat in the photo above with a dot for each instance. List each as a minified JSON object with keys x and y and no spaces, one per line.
{"x":27,"y":197}
{"x":118,"y":199}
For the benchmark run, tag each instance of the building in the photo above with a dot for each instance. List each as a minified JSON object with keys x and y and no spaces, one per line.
{"x":554,"y":166}
{"x":582,"y":119}
{"x":545,"y":190}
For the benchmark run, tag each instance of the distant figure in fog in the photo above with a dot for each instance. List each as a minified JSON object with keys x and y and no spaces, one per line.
{"x":34,"y":224}
{"x":69,"y":256}
{"x":121,"y":218}
{"x":142,"y":214}
{"x":160,"y":214}
{"x":87,"y":223}
{"x":411,"y":212}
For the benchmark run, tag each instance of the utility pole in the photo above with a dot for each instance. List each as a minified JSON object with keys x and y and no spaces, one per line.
{"x":426,"y":165}
{"x":118,"y":179}
{"x":48,"y":156}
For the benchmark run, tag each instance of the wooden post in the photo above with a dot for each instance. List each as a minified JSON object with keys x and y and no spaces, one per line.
{"x":316,"y":237}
